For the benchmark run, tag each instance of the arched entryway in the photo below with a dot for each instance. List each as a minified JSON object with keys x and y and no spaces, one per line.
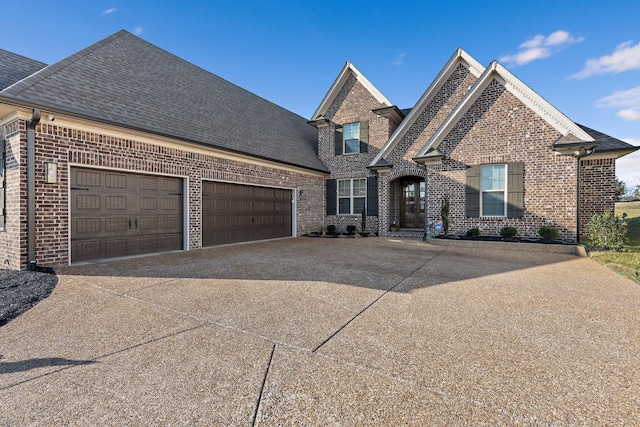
{"x":411,"y":201}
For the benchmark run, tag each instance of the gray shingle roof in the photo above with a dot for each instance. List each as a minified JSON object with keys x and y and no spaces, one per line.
{"x":14,"y":67}
{"x":127,"y":81}
{"x":608,"y":143}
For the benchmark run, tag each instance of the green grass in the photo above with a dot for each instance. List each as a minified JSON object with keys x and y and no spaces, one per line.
{"x":627,"y":262}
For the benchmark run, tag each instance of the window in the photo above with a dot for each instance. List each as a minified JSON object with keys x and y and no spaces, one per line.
{"x":352,"y":195}
{"x":371,"y":192}
{"x":494,"y":196}
{"x":352,"y":138}
{"x":495,"y":190}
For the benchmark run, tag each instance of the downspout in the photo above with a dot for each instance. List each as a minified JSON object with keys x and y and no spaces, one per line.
{"x":583,"y":152}
{"x":31,"y":189}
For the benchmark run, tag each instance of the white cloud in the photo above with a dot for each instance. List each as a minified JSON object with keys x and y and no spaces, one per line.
{"x":138,"y":30}
{"x":628,"y":100}
{"x":622,"y":98}
{"x":109,"y":11}
{"x":625,"y":57}
{"x":399,"y":59}
{"x":629,"y":115}
{"x":539,"y":47}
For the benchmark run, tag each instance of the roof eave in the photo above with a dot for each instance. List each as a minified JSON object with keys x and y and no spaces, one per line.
{"x":76,"y":115}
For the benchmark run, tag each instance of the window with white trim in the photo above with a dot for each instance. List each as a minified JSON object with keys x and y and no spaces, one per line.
{"x":351,"y":132}
{"x":352,"y":196}
{"x":493,"y":200}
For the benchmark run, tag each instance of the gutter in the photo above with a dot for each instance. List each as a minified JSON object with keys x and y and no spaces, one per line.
{"x":31,"y":189}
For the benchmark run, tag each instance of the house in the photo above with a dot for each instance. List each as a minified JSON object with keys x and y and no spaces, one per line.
{"x":479,"y":137}
{"x":125,"y":149}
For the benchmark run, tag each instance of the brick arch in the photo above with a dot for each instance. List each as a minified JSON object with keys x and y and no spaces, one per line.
{"x":387,"y":205}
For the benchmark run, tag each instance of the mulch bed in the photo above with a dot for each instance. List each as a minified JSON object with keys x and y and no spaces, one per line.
{"x":21,"y":290}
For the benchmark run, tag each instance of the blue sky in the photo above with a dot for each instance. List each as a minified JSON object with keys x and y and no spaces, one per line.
{"x":582,"y":56}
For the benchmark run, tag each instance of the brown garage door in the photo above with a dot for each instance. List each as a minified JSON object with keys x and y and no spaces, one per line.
{"x":234,"y":213}
{"x":116,"y":214}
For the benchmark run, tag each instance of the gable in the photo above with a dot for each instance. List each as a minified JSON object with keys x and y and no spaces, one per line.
{"x":125,"y":81}
{"x":348,"y":76}
{"x":438,"y":100}
{"x":497,"y":74}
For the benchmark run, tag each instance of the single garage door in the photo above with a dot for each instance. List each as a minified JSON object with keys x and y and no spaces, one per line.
{"x":234,"y":213}
{"x":118,"y":214}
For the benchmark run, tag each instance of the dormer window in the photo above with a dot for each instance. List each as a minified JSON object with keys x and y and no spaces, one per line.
{"x":352,"y":138}
{"x":351,"y":132}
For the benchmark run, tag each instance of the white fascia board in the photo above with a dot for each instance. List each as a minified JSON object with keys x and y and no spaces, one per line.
{"x":516,"y":87}
{"x":459,"y":56}
{"x":349,"y":68}
{"x":539,"y":105}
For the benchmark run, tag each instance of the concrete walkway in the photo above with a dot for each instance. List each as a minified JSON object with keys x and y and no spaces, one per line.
{"x":328,"y":332}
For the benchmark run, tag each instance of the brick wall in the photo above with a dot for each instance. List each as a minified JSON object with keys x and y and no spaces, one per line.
{"x":14,"y":236}
{"x":353,"y":103}
{"x":498,"y":128}
{"x":425,"y":125}
{"x":68,"y":146}
{"x":597,"y":189}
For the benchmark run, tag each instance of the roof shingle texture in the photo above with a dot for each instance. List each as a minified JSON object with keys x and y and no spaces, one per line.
{"x":14,"y":67}
{"x":126,"y":81}
{"x":606,"y":142}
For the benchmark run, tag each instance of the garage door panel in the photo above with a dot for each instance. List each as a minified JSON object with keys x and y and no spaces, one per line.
{"x":112,"y":180}
{"x":234,"y":213}
{"x":119,"y":214}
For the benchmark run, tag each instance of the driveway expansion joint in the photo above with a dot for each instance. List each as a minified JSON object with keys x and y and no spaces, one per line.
{"x":376,"y":300}
{"x":264,"y":381}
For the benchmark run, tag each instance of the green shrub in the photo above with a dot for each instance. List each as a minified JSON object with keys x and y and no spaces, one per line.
{"x":444,"y":213}
{"x":473,"y":232}
{"x":351,"y":229}
{"x":331,"y":229}
{"x":548,"y":232}
{"x":607,"y":232}
{"x":508,"y":232}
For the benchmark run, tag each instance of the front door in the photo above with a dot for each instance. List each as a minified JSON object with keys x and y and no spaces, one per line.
{"x":412,"y":203}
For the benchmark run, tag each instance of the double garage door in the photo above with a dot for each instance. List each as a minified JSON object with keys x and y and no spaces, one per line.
{"x":233,"y":213}
{"x":117,"y":214}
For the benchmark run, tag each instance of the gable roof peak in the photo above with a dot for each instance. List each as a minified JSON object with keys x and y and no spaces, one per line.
{"x":521,"y":91}
{"x":348,"y":70}
{"x":459,"y":58}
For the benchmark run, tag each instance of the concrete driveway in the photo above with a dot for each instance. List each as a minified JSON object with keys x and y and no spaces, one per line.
{"x":328,"y":332}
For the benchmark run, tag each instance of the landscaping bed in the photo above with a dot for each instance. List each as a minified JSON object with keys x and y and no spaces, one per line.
{"x":515,"y":244}
{"x":21,"y":290}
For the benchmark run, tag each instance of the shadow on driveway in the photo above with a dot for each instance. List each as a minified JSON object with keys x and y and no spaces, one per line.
{"x":375,"y":263}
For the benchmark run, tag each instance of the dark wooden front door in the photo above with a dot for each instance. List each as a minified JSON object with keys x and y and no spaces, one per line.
{"x":234,"y":213}
{"x":412,"y":203}
{"x":118,"y":213}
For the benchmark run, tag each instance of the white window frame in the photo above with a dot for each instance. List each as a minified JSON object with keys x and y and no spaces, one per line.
{"x":504,"y":191}
{"x":351,"y":196}
{"x":345,"y":139}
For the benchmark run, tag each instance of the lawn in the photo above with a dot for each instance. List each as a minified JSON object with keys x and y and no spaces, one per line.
{"x":627,"y":262}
